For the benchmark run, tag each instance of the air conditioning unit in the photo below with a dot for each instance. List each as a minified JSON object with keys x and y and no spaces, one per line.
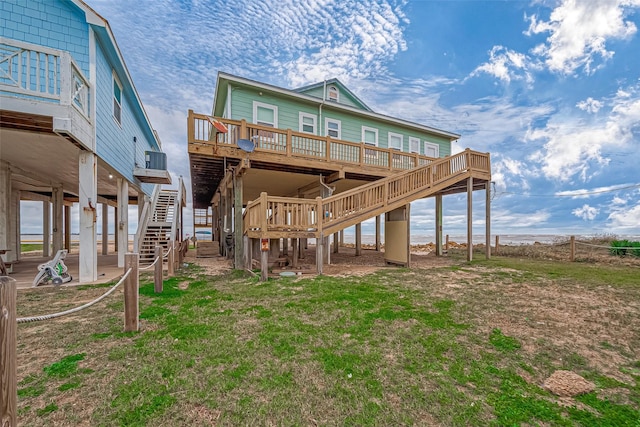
{"x":155,"y":160}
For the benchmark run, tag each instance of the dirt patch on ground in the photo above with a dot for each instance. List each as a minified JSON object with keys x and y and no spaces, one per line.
{"x":568,"y":384}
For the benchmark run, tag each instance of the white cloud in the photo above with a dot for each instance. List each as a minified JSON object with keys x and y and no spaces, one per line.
{"x":579,"y":31}
{"x":625,"y":218}
{"x":506,"y":65}
{"x":506,"y":219}
{"x":573,"y":147}
{"x":589,"y":105}
{"x":586,"y":212}
{"x":585,"y":193}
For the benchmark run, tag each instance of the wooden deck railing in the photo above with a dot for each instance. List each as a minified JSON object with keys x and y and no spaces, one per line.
{"x":300,"y":145}
{"x":274,"y":214}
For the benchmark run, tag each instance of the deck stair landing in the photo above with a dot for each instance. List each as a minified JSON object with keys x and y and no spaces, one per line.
{"x":161,"y":225}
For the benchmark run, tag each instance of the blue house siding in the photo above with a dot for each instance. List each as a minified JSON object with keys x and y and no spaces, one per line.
{"x":114,"y":142}
{"x":55,"y":24}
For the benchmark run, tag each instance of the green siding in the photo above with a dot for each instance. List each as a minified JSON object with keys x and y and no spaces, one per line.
{"x":351,"y":125}
{"x":344,"y":96}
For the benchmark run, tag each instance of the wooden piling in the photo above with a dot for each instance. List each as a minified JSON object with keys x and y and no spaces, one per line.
{"x":157,"y":271}
{"x":131,"y":308}
{"x":8,"y":359}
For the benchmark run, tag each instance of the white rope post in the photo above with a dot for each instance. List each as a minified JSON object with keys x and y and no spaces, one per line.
{"x":8,"y":360}
{"x":172,"y":256}
{"x":131,"y":309}
{"x":157,"y":272}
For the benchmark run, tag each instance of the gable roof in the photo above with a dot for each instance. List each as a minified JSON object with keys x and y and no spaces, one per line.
{"x":224,"y":80}
{"x":309,"y":88}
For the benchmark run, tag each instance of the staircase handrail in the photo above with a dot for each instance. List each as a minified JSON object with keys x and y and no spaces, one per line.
{"x":147,"y":211}
{"x":345,"y":206}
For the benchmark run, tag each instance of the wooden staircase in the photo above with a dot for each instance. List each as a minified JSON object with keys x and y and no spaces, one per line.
{"x":161,"y":225}
{"x":284,"y":217}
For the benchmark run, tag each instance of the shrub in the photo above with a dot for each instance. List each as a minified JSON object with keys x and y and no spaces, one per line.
{"x":619,"y":247}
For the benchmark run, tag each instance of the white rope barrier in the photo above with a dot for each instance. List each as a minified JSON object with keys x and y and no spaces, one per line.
{"x":74,"y":310}
{"x":149,"y":266}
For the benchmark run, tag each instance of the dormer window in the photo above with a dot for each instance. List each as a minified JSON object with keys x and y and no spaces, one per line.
{"x":332,"y":93}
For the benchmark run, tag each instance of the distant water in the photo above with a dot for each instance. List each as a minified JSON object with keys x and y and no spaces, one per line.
{"x":416,"y":239}
{"x":505,"y":239}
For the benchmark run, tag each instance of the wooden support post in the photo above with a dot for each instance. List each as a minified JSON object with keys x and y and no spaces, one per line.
{"x":285,"y":247}
{"x":8,"y":358}
{"x":359,"y":239}
{"x":67,"y":228}
{"x":301,"y":247}
{"x":105,"y":229}
{"x":378,"y":243}
{"x":264,"y":263}
{"x":46,"y":229}
{"x":341,"y":237}
{"x":470,"y":219}
{"x":131,"y":308}
{"x":446,"y":243}
{"x":157,"y":270}
{"x":238,"y":229}
{"x":247,"y":253}
{"x":572,"y":246}
{"x":497,"y":245}
{"x":171,"y":264}
{"x":487,"y":216}
{"x":319,"y":252}
{"x":294,"y":244}
{"x":439,"y":225}
{"x":336,"y":243}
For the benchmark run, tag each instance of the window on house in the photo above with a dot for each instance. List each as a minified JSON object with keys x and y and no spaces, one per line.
{"x":307,"y":123}
{"x":370,"y":136}
{"x":414,"y":145}
{"x":265,"y":114}
{"x":117,"y":100}
{"x":395,"y":141}
{"x":333,"y":128}
{"x":431,"y":150}
{"x":332,"y":93}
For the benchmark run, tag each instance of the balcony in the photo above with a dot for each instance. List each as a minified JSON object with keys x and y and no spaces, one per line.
{"x":44,"y":90}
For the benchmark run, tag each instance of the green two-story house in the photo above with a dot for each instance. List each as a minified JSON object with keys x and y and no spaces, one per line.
{"x":322,"y":141}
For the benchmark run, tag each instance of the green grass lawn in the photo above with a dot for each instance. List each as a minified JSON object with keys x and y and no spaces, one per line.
{"x":399,"y":347}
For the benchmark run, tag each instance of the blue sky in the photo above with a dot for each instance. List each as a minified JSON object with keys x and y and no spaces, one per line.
{"x":550,"y":88}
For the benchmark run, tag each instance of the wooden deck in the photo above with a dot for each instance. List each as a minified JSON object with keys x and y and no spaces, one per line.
{"x":284,"y":151}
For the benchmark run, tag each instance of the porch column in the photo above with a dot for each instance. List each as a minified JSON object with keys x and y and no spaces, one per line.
{"x":14,"y":226}
{"x":122,"y":225}
{"x":378,"y":243}
{"x":115,"y":228}
{"x":58,"y":222}
{"x":67,"y":227}
{"x":336,"y":243}
{"x":359,"y":239}
{"x":105,"y":229}
{"x":87,"y":197}
{"x":141,"y":199}
{"x":5,"y":206}
{"x":470,"y":219}
{"x":487,"y":218}
{"x":238,"y":229}
{"x":438,"y":224}
{"x":46,"y":229}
